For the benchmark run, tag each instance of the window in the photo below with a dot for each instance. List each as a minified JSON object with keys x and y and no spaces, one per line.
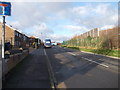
{"x":16,"y":33}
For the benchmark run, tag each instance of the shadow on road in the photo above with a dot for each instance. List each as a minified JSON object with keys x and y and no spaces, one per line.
{"x":66,"y":66}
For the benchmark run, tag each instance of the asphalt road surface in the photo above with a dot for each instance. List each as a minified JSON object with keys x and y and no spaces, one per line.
{"x":75,"y":69}
{"x":32,"y":72}
{"x":71,"y":68}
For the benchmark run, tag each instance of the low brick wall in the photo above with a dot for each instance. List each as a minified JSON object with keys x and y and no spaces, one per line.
{"x":14,"y":60}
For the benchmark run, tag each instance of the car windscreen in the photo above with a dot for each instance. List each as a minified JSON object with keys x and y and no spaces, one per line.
{"x":47,"y":42}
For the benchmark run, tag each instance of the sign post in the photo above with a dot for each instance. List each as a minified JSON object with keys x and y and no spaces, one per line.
{"x":3,"y":38}
{"x":5,"y":10}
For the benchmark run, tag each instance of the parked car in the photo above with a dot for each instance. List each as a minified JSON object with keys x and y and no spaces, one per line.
{"x":54,"y":43}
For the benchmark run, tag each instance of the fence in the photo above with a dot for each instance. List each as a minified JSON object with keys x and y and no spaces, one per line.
{"x":96,"y":38}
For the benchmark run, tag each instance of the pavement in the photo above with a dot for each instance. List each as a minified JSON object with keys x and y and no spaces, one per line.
{"x":75,"y":69}
{"x":0,"y":52}
{"x":32,"y":72}
{"x":70,"y":68}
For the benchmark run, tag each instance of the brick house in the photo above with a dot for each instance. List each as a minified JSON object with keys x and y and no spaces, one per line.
{"x":13,"y":36}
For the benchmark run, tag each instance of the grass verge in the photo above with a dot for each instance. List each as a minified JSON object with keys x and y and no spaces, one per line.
{"x":108,"y":52}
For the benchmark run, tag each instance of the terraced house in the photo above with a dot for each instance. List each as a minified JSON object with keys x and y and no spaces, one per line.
{"x":13,"y":36}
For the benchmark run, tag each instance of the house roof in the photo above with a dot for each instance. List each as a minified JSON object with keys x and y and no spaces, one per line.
{"x":32,"y":37}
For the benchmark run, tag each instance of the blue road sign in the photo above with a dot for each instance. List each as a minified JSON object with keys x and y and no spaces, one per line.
{"x":5,"y":8}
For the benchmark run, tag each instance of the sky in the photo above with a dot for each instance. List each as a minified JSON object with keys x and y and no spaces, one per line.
{"x":60,"y":21}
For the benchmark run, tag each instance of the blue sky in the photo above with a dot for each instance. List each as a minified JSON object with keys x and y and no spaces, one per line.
{"x":62,"y":20}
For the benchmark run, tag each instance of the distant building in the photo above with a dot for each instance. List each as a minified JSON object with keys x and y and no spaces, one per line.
{"x":33,"y":40}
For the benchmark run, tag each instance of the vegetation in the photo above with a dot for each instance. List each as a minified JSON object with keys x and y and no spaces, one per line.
{"x":104,"y":42}
{"x":108,"y":52}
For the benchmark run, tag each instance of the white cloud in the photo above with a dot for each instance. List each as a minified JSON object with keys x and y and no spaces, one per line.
{"x":16,"y":23}
{"x":102,"y":9}
{"x":39,"y":16}
{"x":107,"y":27}
{"x":27,"y":14}
{"x":95,"y":16}
{"x":75,"y":28}
{"x":59,"y":38}
{"x":42,"y":31}
{"x":80,"y":10}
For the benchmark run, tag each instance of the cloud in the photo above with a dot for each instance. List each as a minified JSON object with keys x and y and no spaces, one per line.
{"x":82,"y":10}
{"x":15,"y":23}
{"x":27,"y":14}
{"x":102,"y":15}
{"x":80,"y":18}
{"x":74,"y":27}
{"x":92,"y":16}
{"x":107,"y":27}
{"x":59,"y":38}
{"x":42,"y":31}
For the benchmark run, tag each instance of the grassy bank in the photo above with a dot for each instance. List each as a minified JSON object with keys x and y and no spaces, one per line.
{"x":98,"y":51}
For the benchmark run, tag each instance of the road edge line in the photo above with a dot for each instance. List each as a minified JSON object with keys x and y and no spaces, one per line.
{"x":95,"y":62}
{"x":51,"y":73}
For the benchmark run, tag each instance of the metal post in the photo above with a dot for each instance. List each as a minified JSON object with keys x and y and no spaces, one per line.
{"x":3,"y":38}
{"x":3,"y":47}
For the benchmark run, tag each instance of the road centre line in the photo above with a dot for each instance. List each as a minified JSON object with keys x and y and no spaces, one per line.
{"x":90,"y":60}
{"x":45,"y":52}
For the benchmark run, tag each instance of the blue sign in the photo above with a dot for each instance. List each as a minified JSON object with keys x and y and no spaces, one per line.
{"x":5,"y":8}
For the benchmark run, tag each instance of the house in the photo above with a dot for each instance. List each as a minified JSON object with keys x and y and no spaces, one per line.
{"x":16,"y":38}
{"x":33,"y":40}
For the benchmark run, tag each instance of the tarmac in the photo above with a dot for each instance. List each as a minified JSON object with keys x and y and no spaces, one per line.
{"x":32,"y":72}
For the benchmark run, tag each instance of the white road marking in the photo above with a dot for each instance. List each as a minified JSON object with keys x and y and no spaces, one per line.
{"x":101,"y":55}
{"x":90,"y":60}
{"x":95,"y":62}
{"x":45,"y":52}
{"x":71,"y":53}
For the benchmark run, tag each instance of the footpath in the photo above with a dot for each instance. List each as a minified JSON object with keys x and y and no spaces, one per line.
{"x":31,"y":72}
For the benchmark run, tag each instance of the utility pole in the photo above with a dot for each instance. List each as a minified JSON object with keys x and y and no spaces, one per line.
{"x":41,"y":39}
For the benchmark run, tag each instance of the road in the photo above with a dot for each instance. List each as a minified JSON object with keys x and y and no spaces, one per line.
{"x":71,"y":68}
{"x":32,"y":72}
{"x":75,"y":69}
